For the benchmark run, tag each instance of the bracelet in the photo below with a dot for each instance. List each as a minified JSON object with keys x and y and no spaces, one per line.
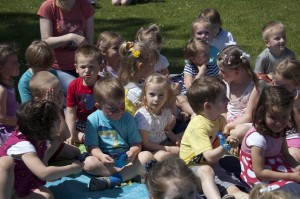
{"x":223,"y":142}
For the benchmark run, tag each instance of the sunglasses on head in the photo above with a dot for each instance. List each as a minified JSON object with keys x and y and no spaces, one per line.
{"x":115,"y":109}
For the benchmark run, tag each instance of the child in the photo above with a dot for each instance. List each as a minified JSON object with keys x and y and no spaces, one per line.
{"x":221,"y":37}
{"x":171,"y":178}
{"x":80,"y":99}
{"x":286,"y":74}
{"x":202,"y":29}
{"x":137,"y":63}
{"x":9,"y":67}
{"x":264,"y":154}
{"x":261,"y":191}
{"x":275,"y":41}
{"x":242,"y":88}
{"x":154,"y":119}
{"x":38,"y":121}
{"x":196,"y":65}
{"x":199,"y":147}
{"x":109,"y":43}
{"x":113,"y":139}
{"x":45,"y":85}
{"x":153,"y":35}
{"x":39,"y":57}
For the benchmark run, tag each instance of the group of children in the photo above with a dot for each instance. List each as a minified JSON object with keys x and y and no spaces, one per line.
{"x":123,"y":107}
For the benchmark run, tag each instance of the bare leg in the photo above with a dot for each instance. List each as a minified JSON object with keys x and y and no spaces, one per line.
{"x":7,"y":177}
{"x":39,"y":193}
{"x":236,"y":192}
{"x":295,"y":152}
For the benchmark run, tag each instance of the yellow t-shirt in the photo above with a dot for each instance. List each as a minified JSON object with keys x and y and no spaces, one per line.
{"x":199,"y":137}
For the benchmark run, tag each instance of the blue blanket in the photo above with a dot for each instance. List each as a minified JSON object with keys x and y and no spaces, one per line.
{"x":76,"y":186}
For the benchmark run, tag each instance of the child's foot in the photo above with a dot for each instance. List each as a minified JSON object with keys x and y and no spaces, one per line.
{"x":100,"y":183}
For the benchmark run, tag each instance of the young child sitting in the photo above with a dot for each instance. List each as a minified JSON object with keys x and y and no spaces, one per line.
{"x":109,"y":43}
{"x":274,"y":37}
{"x":137,"y":63}
{"x":9,"y":68}
{"x":80,"y":99}
{"x":46,"y":86}
{"x":38,"y":122}
{"x":171,"y":178}
{"x":221,"y":37}
{"x":39,"y":57}
{"x":199,"y":146}
{"x":154,"y":118}
{"x":152,"y":34}
{"x":113,"y":139}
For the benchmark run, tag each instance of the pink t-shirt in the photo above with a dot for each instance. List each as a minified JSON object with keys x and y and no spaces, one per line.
{"x":65,"y":22}
{"x":81,"y":97}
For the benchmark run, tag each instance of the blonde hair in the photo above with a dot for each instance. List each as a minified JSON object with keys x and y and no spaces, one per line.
{"x":203,"y":21}
{"x":150,"y":34}
{"x":147,"y":55}
{"x":39,"y":55}
{"x":157,"y":78}
{"x":194,"y":46}
{"x":289,"y":69}
{"x":270,"y":27}
{"x":260,"y":192}
{"x":41,"y":82}
{"x":108,"y":89}
{"x":104,"y":40}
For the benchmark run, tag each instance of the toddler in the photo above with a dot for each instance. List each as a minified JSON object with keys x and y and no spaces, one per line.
{"x":80,"y":99}
{"x":109,"y":44}
{"x":274,"y":37}
{"x":221,"y":37}
{"x":137,"y":63}
{"x":9,"y":68}
{"x":154,"y":118}
{"x":38,"y":121}
{"x":113,"y":139}
{"x":153,"y":35}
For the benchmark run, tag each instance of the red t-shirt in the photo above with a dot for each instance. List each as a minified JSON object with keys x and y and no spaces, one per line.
{"x":81,"y":97}
{"x":65,"y":22}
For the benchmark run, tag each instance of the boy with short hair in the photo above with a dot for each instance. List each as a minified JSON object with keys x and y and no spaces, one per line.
{"x":80,"y":99}
{"x":45,"y":85}
{"x":275,"y":40}
{"x":113,"y":139}
{"x":39,"y":57}
{"x":199,"y":145}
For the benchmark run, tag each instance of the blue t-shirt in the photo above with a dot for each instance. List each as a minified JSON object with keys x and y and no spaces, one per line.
{"x":111,"y":136}
{"x":23,"y":86}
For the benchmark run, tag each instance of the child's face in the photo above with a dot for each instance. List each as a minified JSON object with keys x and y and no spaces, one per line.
{"x":186,"y":190}
{"x":286,"y":83}
{"x":156,"y":96}
{"x":277,"y":120}
{"x":202,"y":32}
{"x":276,"y":41}
{"x":202,"y":57}
{"x":114,"y":109}
{"x":11,"y":66}
{"x":88,"y":68}
{"x":220,"y":104}
{"x":146,"y":69}
{"x":227,"y":74}
{"x":112,"y":53}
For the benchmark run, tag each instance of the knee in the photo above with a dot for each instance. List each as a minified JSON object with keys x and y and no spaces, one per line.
{"x":160,"y":155}
{"x":7,"y":163}
{"x":145,"y":156}
{"x":205,"y":171}
{"x":125,"y":2}
{"x":89,"y":163}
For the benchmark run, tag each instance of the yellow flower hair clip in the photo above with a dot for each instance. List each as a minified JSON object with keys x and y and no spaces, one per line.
{"x":135,"y":53}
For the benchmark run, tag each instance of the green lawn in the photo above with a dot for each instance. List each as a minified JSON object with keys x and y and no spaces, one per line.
{"x":244,"y":19}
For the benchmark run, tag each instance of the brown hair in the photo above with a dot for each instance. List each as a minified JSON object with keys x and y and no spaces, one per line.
{"x":289,"y":69}
{"x":205,"y":89}
{"x":148,"y":55}
{"x":172,"y":168}
{"x":150,"y":34}
{"x":89,"y":51}
{"x":231,"y":57}
{"x":273,"y":96}
{"x":36,"y":119}
{"x":271,"y":27}
{"x":7,"y":50}
{"x":39,"y":55}
{"x":108,"y":88}
{"x":203,"y":21}
{"x":212,"y":15}
{"x":194,"y":46}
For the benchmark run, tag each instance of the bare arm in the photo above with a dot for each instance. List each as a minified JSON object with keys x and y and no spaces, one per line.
{"x":133,"y":151}
{"x":71,"y":122}
{"x":287,"y":156}
{"x":89,"y":33}
{"x":4,"y":119}
{"x":188,"y":79}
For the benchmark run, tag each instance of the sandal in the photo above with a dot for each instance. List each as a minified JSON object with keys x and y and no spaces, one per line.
{"x":101,"y":183}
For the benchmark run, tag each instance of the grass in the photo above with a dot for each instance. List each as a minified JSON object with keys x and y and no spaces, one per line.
{"x":243,"y":18}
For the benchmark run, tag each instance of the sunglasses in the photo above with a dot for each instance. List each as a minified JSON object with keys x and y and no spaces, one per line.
{"x":115,"y":109}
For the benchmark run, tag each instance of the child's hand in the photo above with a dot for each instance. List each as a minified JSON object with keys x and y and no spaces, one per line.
{"x":130,"y":156}
{"x":107,"y":160}
{"x":232,"y":141}
{"x":295,"y":176}
{"x":77,"y":166}
{"x":70,"y":140}
{"x":78,"y":39}
{"x":172,"y":149}
{"x":202,"y":69}
{"x":228,"y":127}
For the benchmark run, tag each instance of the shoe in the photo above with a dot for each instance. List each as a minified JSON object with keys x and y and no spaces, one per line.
{"x":228,"y":196}
{"x":100,"y":183}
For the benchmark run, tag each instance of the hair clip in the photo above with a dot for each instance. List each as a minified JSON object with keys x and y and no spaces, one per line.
{"x":265,"y":189}
{"x":135,"y":53}
{"x":223,"y":58}
{"x":244,"y":55}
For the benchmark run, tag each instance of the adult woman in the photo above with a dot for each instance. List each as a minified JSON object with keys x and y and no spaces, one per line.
{"x":66,"y":25}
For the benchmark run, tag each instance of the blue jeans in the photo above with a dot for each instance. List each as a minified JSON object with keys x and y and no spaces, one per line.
{"x":65,"y":79}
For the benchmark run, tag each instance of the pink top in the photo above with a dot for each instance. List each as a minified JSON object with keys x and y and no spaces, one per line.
{"x":65,"y":22}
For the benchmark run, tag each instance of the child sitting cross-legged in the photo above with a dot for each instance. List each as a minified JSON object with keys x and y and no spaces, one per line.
{"x":200,"y":147}
{"x":113,"y":139}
